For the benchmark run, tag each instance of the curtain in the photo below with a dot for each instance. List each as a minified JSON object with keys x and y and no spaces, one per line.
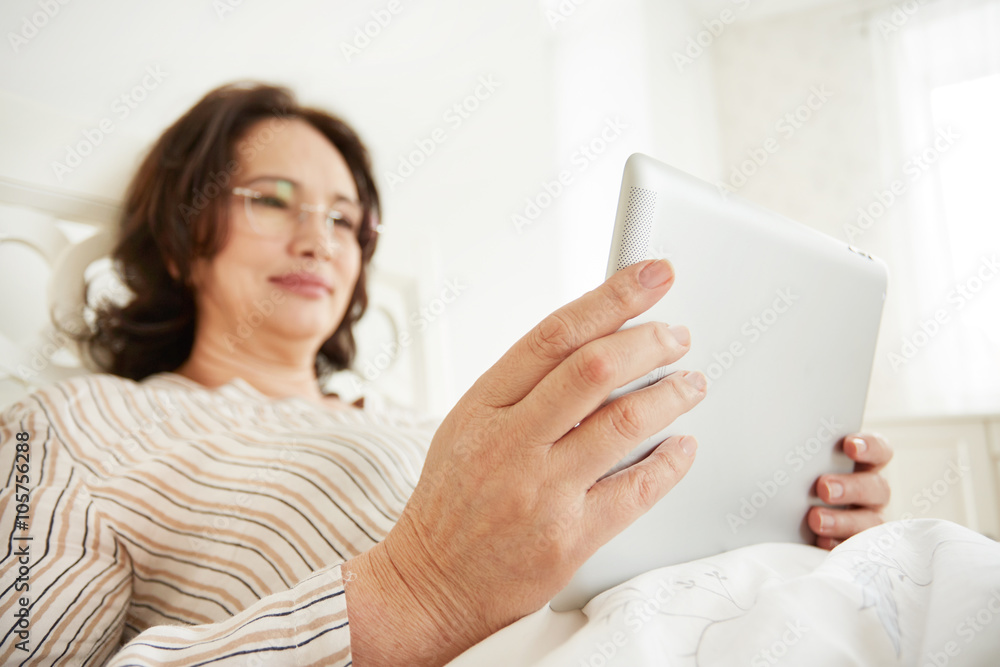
{"x":937,"y":69}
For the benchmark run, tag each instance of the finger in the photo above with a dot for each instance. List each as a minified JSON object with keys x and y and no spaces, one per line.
{"x":578,"y":386}
{"x":870,"y":450}
{"x":597,"y":313}
{"x":841,"y":524}
{"x":619,"y":499}
{"x":606,"y":436}
{"x":860,"y":488}
{"x":827,"y":542}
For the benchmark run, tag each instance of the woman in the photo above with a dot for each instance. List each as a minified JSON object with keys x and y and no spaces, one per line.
{"x":205,"y":502}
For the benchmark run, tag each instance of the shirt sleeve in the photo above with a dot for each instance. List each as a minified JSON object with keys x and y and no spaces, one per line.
{"x":307,"y":625}
{"x":66,"y":582}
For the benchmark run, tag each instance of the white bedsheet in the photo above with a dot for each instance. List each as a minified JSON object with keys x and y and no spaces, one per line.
{"x":918,"y":592}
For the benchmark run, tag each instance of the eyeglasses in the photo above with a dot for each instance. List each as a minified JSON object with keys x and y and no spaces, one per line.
{"x":274,"y":208}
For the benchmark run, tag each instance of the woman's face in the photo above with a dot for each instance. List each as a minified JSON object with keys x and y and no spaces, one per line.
{"x":291,"y":283}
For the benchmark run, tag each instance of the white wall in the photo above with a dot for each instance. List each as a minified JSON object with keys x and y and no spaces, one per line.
{"x":451,"y":219}
{"x":839,"y":159}
{"x":829,"y":160}
{"x":562,"y":78}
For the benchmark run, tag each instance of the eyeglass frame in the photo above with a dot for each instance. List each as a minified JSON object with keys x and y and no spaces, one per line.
{"x":250,"y":194}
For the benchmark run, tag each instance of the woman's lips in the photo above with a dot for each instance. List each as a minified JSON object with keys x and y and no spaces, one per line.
{"x":305,"y":285}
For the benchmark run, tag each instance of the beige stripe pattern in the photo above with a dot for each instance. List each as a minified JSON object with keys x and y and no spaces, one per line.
{"x":171,"y":524}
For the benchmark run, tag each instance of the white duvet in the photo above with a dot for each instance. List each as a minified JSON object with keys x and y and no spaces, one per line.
{"x":918,"y":592}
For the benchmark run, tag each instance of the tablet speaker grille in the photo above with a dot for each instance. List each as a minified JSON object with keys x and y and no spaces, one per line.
{"x":638,"y":226}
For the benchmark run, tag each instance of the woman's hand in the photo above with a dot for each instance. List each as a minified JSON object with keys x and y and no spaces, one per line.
{"x":864,"y":490}
{"x":509,"y":505}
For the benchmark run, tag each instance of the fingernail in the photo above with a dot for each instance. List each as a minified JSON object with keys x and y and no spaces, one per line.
{"x":825,"y":521}
{"x":688,"y":445}
{"x":860,"y":445}
{"x":655,"y":274}
{"x":696,"y":379}
{"x":835,"y":489}
{"x":681,"y":333}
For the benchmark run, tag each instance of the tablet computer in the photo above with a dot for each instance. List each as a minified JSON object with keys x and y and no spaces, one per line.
{"x":783,"y":321}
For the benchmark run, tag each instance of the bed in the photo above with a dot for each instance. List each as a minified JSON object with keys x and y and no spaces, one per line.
{"x":51,"y":239}
{"x":922,"y":592}
{"x":916,"y":592}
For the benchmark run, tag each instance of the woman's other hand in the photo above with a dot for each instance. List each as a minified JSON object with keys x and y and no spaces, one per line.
{"x":509,"y":504}
{"x":865,"y":492}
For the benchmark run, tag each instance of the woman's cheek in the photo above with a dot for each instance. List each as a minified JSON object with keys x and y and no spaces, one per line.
{"x":351,"y":267}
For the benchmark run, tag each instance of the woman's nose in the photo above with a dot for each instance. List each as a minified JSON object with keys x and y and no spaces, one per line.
{"x":313,"y":233}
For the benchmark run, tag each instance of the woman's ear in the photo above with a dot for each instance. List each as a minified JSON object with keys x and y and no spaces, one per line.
{"x":176,"y":274}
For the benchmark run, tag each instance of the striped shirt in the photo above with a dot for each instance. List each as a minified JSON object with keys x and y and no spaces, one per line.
{"x":171,"y":524}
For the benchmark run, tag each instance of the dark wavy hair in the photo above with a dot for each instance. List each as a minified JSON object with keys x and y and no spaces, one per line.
{"x":176,"y":211}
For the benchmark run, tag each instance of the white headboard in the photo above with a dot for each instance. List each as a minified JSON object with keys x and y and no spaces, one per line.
{"x":50,"y":239}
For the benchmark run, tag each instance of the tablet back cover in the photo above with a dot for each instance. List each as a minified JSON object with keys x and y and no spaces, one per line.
{"x":783,"y":321}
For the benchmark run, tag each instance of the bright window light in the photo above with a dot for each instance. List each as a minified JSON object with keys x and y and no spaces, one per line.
{"x":970,"y":176}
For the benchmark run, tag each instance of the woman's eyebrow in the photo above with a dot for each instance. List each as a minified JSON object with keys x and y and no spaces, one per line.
{"x":337,"y":196}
